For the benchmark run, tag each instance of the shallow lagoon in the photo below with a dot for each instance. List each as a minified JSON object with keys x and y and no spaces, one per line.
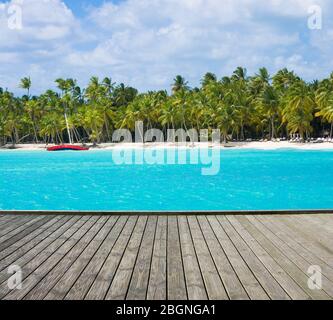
{"x":247,"y":180}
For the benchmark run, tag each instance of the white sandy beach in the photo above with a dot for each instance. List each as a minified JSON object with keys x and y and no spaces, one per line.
{"x":269,"y":145}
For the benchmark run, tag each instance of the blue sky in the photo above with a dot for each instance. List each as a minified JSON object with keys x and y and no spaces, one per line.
{"x":145,"y":43}
{"x":80,"y":7}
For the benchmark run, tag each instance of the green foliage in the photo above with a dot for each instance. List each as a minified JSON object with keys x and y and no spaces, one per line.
{"x":241,"y":106}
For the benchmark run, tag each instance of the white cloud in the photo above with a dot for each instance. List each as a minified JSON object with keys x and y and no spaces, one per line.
{"x":186,"y":33}
{"x":8,"y":57}
{"x":49,"y":31}
{"x":41,"y":20}
{"x":291,"y":8}
{"x":148,"y":42}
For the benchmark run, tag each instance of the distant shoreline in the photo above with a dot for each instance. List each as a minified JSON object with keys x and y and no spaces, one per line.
{"x":269,"y":145}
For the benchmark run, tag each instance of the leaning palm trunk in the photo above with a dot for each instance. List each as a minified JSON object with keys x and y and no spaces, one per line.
{"x":242,"y":131}
{"x":273,"y":129}
{"x":22,"y":138}
{"x":107,"y":128}
{"x":15,"y":137}
{"x":35,"y":133}
{"x":76,"y":135}
{"x":331,"y":133}
{"x":301,"y":133}
{"x":68,"y":131}
{"x":13,"y":141}
{"x":225,"y":135}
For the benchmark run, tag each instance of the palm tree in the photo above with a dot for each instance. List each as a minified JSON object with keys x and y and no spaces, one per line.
{"x":269,"y":100}
{"x":179,"y":83}
{"x":109,"y":85}
{"x":99,"y":98}
{"x":51,"y":127}
{"x":240,"y":105}
{"x":93,"y":121}
{"x":93,"y":90}
{"x":32,"y":108}
{"x":239,"y":74}
{"x":180,"y":101}
{"x":263,"y":76}
{"x":225,"y":119}
{"x":168,"y":117}
{"x":324,"y":100}
{"x":26,"y":84}
{"x":67,"y":87}
{"x":260,"y":81}
{"x":208,"y":78}
{"x":284,"y":79}
{"x":298,"y":110}
{"x":62,"y":84}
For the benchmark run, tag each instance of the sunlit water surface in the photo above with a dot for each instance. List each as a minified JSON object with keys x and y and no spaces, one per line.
{"x":247,"y":180}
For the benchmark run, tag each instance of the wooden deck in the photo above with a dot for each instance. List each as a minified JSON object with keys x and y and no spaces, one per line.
{"x":166,"y":257}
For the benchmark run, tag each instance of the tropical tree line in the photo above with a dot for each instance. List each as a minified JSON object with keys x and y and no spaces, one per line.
{"x":242,"y":107}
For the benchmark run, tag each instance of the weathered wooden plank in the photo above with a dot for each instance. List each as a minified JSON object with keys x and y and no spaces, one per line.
{"x":18,"y":227}
{"x":31,"y":241}
{"x":228,"y":275}
{"x":64,"y":284}
{"x":321,"y":220}
{"x":46,"y":261}
{"x":317,"y":223}
{"x":166,"y":257}
{"x":213,"y":283}
{"x":327,"y":219}
{"x":104,"y":278}
{"x":267,"y":281}
{"x":244,"y":273}
{"x":4,"y":218}
{"x":157,"y":281}
{"x":176,"y":287}
{"x":282,"y":233}
{"x":38,"y":254}
{"x":32,"y":238}
{"x":11,"y":220}
{"x":288,"y":252}
{"x":13,"y":223}
{"x":63,"y":260}
{"x":304,"y":238}
{"x":287,"y":283}
{"x":88,"y":276}
{"x":317,"y":232}
{"x":288,"y":265}
{"x":122,"y":278}
{"x":21,"y":232}
{"x":194,"y":282}
{"x":139,"y":282}
{"x":34,"y":257}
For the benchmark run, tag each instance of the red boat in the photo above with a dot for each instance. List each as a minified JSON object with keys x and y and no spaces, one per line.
{"x":67,"y":147}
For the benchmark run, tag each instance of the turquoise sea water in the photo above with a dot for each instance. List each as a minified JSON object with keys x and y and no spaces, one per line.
{"x":247,"y":180}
